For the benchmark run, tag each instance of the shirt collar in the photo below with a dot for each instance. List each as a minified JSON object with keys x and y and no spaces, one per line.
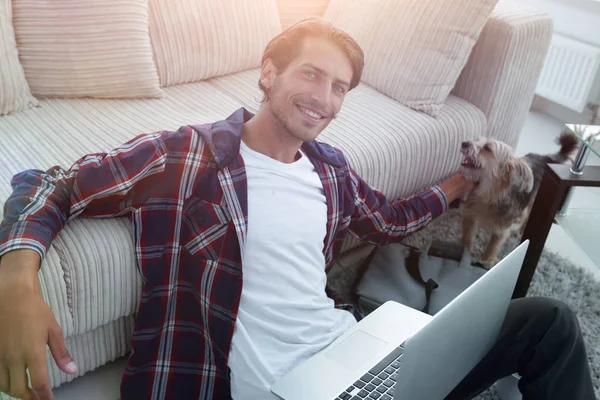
{"x":223,"y":139}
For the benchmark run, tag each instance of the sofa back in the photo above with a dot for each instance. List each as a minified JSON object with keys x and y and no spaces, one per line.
{"x":414,"y":50}
{"x":292,"y":11}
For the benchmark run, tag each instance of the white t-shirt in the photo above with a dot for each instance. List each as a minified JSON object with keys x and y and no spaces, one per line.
{"x":284,"y":315}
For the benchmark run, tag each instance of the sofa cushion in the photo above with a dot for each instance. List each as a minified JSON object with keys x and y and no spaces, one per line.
{"x":14,"y":90}
{"x":195,"y":40}
{"x":88,"y":275}
{"x":92,"y":48}
{"x":414,"y":50}
{"x":394,"y":148}
{"x":292,"y":11}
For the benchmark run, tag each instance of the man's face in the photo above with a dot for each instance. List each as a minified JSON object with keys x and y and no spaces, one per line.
{"x":309,"y":93}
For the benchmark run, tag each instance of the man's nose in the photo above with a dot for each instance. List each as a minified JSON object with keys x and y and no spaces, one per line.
{"x":322,"y":93}
{"x":465,"y":145}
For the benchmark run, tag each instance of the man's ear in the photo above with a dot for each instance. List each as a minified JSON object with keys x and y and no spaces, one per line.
{"x":268,"y":73}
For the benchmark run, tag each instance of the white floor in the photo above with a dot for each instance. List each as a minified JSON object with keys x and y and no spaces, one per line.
{"x":538,"y":136}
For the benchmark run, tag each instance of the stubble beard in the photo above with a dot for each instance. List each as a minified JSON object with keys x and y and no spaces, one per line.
{"x":276,"y":107}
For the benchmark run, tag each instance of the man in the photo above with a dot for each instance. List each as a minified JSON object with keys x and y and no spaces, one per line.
{"x":236,"y":224}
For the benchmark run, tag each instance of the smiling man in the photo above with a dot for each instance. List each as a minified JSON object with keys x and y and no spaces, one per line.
{"x":304,"y":84}
{"x":236,"y":224}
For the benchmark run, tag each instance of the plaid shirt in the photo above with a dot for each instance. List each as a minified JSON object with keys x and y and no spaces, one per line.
{"x":185,"y":193}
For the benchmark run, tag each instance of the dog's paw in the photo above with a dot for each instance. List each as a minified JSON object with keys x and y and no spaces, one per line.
{"x":489,"y":260}
{"x":466,"y":241}
{"x":489,"y":263}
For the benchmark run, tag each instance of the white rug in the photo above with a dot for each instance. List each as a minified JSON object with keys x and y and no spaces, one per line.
{"x":555,"y":277}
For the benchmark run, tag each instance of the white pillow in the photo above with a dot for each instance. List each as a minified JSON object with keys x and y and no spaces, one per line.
{"x":15,"y":95}
{"x":91,"y":48}
{"x":194,"y":40}
{"x":414,"y":50}
{"x":292,"y":11}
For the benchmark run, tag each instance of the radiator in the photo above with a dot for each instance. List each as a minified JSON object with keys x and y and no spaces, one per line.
{"x":571,"y":73}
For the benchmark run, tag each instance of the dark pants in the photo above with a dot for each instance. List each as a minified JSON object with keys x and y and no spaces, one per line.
{"x":541,"y":341}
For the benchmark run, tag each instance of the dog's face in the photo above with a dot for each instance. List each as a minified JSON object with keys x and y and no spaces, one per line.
{"x":493,"y":165}
{"x":485,"y":159}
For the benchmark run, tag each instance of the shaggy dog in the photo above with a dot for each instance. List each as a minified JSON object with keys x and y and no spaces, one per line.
{"x":507,"y":187}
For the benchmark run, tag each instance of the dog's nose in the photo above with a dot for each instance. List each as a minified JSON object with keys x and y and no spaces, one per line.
{"x":465,"y":145}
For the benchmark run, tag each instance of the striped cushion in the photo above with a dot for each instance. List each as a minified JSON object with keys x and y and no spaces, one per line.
{"x":292,"y":11}
{"x":194,"y":40}
{"x":415,"y":50}
{"x":92,"y":48}
{"x":14,"y":90}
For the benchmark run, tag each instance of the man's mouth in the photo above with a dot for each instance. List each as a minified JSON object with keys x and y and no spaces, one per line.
{"x":468,"y":162}
{"x":310,"y":113}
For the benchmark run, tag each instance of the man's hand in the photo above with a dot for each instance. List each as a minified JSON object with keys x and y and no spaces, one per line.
{"x":457,"y":186}
{"x":27,"y":326}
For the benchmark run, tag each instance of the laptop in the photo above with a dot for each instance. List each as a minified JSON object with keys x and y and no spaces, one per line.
{"x":400,"y":353}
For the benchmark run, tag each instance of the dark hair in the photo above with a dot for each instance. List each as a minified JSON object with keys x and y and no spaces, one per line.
{"x":283,"y":48}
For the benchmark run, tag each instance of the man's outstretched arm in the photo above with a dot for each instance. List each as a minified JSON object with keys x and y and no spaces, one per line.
{"x":379,"y":221}
{"x":42,"y":202}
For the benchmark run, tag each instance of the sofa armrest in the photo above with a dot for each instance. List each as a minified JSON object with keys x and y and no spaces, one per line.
{"x":502,"y":72}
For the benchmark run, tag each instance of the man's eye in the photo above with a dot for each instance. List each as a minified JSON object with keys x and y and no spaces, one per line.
{"x":310,"y":74}
{"x":339,"y":89}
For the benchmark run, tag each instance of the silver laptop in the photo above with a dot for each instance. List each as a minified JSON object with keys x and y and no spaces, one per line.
{"x":401,"y":353}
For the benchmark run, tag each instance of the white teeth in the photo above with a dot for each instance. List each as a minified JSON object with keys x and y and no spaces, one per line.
{"x":310,"y":113}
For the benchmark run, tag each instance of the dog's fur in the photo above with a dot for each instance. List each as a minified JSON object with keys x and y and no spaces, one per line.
{"x":507,"y":187}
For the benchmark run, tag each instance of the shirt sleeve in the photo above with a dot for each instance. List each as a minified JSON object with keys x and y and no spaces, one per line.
{"x":98,"y":185}
{"x":379,"y":221}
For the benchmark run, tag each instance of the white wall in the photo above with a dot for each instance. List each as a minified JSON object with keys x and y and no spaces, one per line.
{"x":577,"y":19}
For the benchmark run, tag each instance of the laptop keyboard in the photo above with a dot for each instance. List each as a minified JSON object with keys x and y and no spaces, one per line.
{"x":379,"y":383}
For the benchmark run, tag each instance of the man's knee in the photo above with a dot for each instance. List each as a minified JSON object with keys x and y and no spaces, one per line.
{"x":558,"y":316}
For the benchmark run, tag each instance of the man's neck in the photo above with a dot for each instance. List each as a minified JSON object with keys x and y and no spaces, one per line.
{"x":264,"y":134}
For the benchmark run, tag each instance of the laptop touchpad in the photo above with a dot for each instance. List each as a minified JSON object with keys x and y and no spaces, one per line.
{"x":355,"y":350}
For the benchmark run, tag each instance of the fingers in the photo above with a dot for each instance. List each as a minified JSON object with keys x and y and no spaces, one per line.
{"x":5,"y":385}
{"x":18,"y":383}
{"x":4,"y":379}
{"x":31,"y":396}
{"x":39,"y":379}
{"x":59,"y":351}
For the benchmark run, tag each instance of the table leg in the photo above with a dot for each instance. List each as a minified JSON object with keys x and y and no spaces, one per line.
{"x":577,"y":169}
{"x":564,"y":207}
{"x":547,"y":202}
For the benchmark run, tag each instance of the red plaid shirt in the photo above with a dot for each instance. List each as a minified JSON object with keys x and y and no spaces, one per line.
{"x":185,"y":193}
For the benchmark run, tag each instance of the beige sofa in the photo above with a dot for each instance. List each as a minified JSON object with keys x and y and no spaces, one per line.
{"x":89,"y":277}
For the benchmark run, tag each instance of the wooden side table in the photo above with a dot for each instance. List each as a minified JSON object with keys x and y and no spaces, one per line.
{"x":553,"y":192}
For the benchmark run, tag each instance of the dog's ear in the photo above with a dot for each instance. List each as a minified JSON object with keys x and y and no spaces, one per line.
{"x":518,"y":173}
